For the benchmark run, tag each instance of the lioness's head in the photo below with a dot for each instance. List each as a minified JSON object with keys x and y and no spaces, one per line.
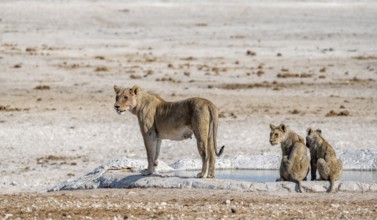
{"x":277,"y":134}
{"x":125,"y":98}
{"x":312,"y":136}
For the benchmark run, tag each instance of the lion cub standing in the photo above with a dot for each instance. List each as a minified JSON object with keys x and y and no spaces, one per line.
{"x":159,"y":119}
{"x":294,"y":162}
{"x":323,"y":158}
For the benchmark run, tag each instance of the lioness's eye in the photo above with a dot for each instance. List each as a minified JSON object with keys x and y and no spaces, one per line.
{"x":125,"y":97}
{"x":275,"y":134}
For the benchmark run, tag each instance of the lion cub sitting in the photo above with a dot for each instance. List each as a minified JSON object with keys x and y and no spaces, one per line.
{"x":294,"y":162}
{"x":323,"y":158}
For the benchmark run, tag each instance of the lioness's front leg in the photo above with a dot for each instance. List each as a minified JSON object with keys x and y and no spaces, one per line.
{"x":150,"y":143}
{"x":155,"y":163}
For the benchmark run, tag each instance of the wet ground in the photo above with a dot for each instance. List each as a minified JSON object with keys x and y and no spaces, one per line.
{"x":271,"y":175}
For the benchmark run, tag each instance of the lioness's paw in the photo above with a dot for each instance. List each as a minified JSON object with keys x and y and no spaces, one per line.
{"x":156,"y":163}
{"x":201,"y":175}
{"x":146,"y":172}
{"x":155,"y":170}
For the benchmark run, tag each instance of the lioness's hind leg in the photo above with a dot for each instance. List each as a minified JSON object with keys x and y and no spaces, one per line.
{"x":199,"y":123}
{"x":202,"y":147}
{"x":211,"y":155}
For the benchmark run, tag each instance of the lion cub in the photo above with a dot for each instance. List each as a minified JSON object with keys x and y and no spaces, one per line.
{"x":294,"y":162}
{"x":323,"y":158}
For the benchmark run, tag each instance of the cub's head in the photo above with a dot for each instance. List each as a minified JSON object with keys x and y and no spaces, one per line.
{"x":277,"y":134}
{"x":125,"y":98}
{"x":312,"y":136}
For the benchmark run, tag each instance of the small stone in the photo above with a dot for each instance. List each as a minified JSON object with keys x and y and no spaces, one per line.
{"x":8,"y":216}
{"x":131,"y":192}
{"x":335,"y":205}
{"x":13,"y":183}
{"x":227,"y":201}
{"x":233,"y":210}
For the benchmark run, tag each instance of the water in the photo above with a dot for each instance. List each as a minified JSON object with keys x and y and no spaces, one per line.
{"x":271,"y":175}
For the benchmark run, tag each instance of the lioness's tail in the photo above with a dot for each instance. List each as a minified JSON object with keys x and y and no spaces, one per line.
{"x":213,"y":129}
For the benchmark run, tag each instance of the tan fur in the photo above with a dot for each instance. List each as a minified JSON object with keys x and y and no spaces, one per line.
{"x":159,"y":119}
{"x":294,"y":162}
{"x":323,"y":158}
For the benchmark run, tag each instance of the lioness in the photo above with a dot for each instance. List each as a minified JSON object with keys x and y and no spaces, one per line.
{"x":323,"y":158}
{"x":159,"y":119}
{"x":294,"y":162}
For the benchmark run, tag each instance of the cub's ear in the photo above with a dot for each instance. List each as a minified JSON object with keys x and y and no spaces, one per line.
{"x":135,"y":90}
{"x":319,"y":131}
{"x":272,"y":127}
{"x":283,"y":127}
{"x":116,"y":89}
{"x":309,"y":131}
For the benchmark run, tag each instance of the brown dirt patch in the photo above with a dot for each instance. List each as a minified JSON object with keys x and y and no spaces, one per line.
{"x":294,"y":75}
{"x":365,"y":57}
{"x":101,"y":69}
{"x":333,"y":113}
{"x":42,"y":87}
{"x":234,"y":86}
{"x":56,"y":160}
{"x":8,"y":108}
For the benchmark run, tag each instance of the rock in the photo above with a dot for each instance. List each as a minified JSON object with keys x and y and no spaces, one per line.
{"x":123,"y":173}
{"x":335,"y":205}
{"x":233,"y":210}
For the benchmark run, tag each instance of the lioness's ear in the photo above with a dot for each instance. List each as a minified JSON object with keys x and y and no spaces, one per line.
{"x":319,"y":131}
{"x":116,"y":89}
{"x":135,"y":90}
{"x":308,"y":131}
{"x":272,"y":127}
{"x":283,"y":127}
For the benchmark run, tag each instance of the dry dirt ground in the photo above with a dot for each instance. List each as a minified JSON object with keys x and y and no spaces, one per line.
{"x":304,"y":63}
{"x":187,"y":204}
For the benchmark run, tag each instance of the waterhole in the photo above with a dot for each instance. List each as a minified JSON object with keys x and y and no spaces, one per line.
{"x":271,"y":175}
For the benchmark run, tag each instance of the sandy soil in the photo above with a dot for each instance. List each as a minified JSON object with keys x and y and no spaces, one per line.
{"x":190,"y":204}
{"x":304,"y":63}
